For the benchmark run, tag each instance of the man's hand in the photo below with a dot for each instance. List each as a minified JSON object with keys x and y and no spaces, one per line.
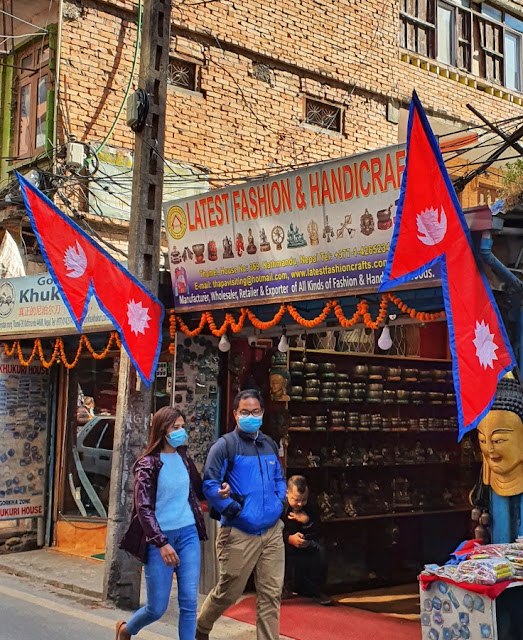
{"x":225,"y":491}
{"x":297,"y":540}
{"x":300,"y":516}
{"x":169,"y":555}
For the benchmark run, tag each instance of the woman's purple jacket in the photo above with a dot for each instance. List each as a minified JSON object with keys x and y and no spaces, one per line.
{"x":144,"y":528}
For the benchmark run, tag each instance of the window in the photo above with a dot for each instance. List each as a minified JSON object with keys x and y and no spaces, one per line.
{"x":31,"y":88}
{"x":182,"y":73}
{"x":321,"y":114}
{"x":475,"y":37}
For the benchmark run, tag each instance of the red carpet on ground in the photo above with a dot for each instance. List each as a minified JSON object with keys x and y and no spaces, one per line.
{"x":303,"y":620}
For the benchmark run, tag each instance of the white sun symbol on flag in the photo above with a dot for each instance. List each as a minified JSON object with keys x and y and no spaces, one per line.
{"x":485,"y":345}
{"x":138,"y":317}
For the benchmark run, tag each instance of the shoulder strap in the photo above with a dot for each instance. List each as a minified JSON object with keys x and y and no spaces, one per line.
{"x":274,"y":446}
{"x":230,"y":445}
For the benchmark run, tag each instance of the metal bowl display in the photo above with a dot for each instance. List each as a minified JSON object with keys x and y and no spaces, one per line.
{"x":342,"y":393}
{"x":375,"y":386}
{"x":345,"y":384}
{"x":374,"y":396}
{"x":319,"y":420}
{"x":435,"y":397}
{"x":376,"y":421}
{"x":328,"y":385}
{"x":439,"y":375}
{"x":389,"y":396}
{"x":296,"y":366}
{"x":393,"y":373}
{"x":311,"y":367}
{"x":296,"y":391}
{"x":327,"y":367}
{"x":311,"y":383}
{"x":312,"y":398}
{"x":337,"y":414}
{"x":402,"y":396}
{"x":296,"y":398}
{"x":342,"y":376}
{"x":328,"y":377}
{"x":311,"y":391}
{"x":360,"y":371}
{"x":305,"y":421}
{"x":375,"y":372}
{"x":410,"y":375}
{"x":417,"y":397}
{"x":358,"y":394}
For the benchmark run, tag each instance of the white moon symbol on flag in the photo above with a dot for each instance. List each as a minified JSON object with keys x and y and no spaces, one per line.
{"x":75,"y":261}
{"x":432,"y":227}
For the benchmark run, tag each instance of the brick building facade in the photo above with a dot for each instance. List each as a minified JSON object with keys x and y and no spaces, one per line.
{"x":255,"y":88}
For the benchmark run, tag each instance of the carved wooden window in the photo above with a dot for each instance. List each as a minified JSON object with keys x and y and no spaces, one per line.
{"x":500,"y":43}
{"x":32,"y":84}
{"x":324,"y":115}
{"x":455,"y":32}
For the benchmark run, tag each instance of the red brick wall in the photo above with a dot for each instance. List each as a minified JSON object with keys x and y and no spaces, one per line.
{"x":340,"y":51}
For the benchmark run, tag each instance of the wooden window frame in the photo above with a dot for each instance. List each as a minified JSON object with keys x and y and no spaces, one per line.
{"x":476,"y":34}
{"x":30,"y":77}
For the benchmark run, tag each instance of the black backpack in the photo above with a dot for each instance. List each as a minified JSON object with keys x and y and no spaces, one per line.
{"x":231,"y":452}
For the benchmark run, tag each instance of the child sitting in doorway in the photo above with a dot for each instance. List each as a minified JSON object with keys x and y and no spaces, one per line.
{"x":305,"y":566}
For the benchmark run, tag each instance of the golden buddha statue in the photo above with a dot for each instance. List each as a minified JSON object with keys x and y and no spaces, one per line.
{"x":500,"y":436}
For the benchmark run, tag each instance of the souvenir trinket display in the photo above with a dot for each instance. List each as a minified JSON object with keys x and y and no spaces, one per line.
{"x":23,"y":440}
{"x":195,"y":393}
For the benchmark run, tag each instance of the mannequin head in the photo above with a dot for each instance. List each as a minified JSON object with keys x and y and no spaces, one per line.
{"x":500,"y":435}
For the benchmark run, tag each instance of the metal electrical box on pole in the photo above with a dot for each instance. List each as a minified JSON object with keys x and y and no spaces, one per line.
{"x":122,"y":572}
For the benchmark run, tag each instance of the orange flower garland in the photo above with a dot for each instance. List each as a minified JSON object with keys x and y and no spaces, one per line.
{"x":58,"y":353}
{"x":361,"y":313}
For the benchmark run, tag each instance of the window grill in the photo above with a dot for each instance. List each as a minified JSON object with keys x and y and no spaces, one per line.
{"x":182,"y":74}
{"x":323,"y":115}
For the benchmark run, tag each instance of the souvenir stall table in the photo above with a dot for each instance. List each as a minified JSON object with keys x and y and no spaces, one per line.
{"x":464,"y":599}
{"x":450,"y":610}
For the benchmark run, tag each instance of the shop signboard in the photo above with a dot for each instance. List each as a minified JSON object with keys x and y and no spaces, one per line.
{"x":32,"y":306}
{"x":318,"y":232}
{"x":24,"y":416}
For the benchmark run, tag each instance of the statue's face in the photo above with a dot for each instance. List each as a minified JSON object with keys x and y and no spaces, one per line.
{"x":277,"y":383}
{"x":500,"y":436}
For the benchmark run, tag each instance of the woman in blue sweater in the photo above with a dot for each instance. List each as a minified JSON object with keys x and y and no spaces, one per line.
{"x":167,"y":525}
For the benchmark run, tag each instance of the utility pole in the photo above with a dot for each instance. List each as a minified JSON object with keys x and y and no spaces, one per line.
{"x":122,"y":573}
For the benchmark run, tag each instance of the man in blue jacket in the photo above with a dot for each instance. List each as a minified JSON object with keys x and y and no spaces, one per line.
{"x":250,"y":537}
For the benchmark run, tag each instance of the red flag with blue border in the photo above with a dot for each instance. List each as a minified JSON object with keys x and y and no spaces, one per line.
{"x":81,"y":268}
{"x":430,"y":228}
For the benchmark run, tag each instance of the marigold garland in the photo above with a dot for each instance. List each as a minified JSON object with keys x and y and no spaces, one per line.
{"x":58,"y":354}
{"x":362,"y":313}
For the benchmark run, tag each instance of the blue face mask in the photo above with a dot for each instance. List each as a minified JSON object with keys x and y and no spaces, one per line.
{"x":177,"y":438}
{"x":250,"y":424}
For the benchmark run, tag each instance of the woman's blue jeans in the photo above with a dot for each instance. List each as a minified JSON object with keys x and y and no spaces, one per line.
{"x":159,"y":579}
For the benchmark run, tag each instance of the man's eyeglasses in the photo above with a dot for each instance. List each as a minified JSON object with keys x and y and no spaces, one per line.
{"x":244,"y":413}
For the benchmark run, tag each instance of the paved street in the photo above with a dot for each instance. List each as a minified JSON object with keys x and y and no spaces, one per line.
{"x":29,"y":611}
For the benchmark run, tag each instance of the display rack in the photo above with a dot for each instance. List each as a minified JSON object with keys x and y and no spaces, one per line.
{"x":376,"y":437}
